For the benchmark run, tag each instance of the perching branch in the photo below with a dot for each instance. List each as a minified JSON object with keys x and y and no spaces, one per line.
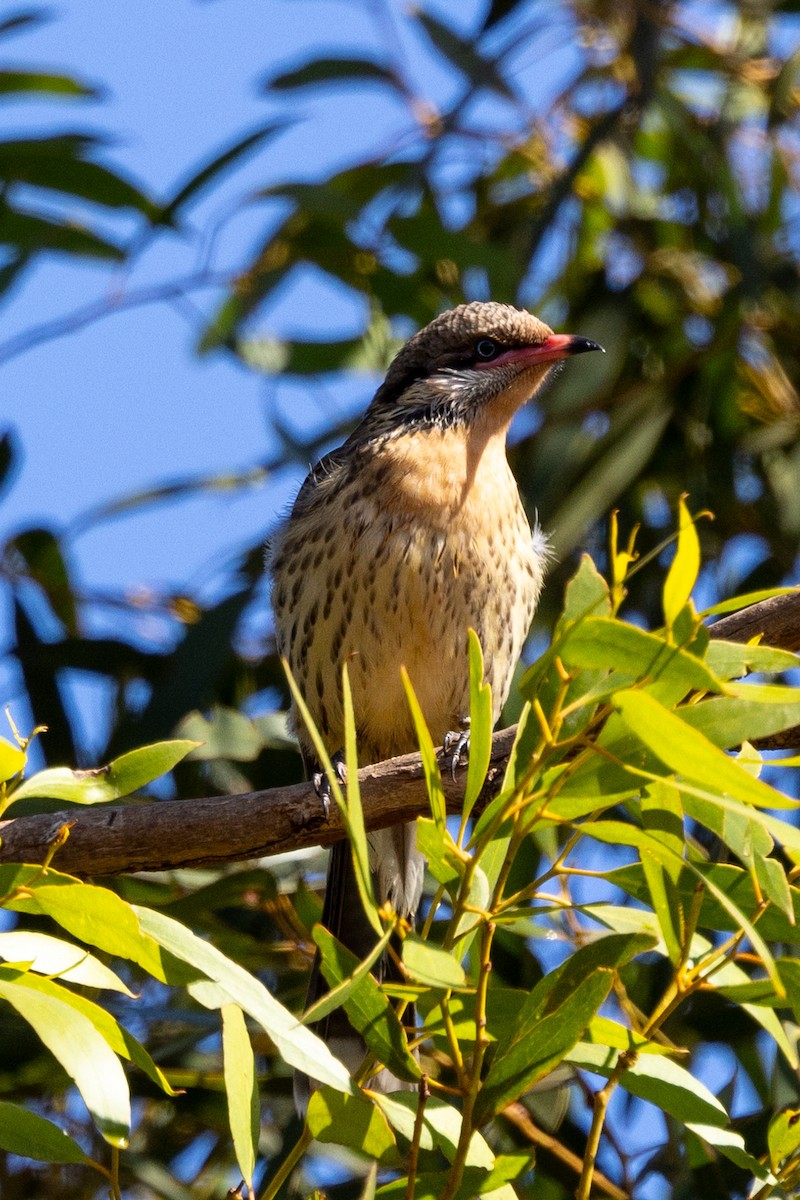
{"x":223,"y":829}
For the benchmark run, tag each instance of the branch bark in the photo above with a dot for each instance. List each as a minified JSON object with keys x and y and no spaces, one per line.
{"x":222,"y":829}
{"x":120,"y":839}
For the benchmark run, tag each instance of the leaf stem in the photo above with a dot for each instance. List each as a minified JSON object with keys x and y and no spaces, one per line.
{"x":413,"y":1153}
{"x":288,"y":1165}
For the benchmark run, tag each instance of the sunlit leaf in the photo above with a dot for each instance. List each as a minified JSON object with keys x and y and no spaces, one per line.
{"x":430,"y":763}
{"x":12,"y":760}
{"x":298,"y":1046}
{"x":352,"y":1121}
{"x":683,"y":571}
{"x":52,"y":956}
{"x":685,"y":751}
{"x":480,"y":725}
{"x":241,"y":1089}
{"x":431,"y":964}
{"x":83,"y":1053}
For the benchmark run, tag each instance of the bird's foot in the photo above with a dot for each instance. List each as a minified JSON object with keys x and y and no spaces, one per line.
{"x":322,"y":785}
{"x":455,"y":746}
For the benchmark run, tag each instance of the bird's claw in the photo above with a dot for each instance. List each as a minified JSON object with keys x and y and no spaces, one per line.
{"x":322,"y":785}
{"x":455,"y":745}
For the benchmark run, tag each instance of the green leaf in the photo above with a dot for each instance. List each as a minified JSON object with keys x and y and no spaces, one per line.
{"x":730,"y":978}
{"x":430,"y":763}
{"x":618,"y":833}
{"x":614,"y":645}
{"x":40,"y":552}
{"x":83,"y":1053}
{"x":684,"y":569}
{"x":554,"y":1017}
{"x":123,"y":1043}
{"x":49,"y":955}
{"x":586,"y":594}
{"x":192,"y":187}
{"x":662,"y":816}
{"x":31,"y":1136}
{"x":31,"y":233}
{"x":141,"y":766}
{"x":526,"y":741}
{"x":484,"y":1174}
{"x":689,"y":754}
{"x":241,"y":1088}
{"x":102,"y":785}
{"x":783,"y":1136}
{"x":58,"y":163}
{"x":445,"y":861}
{"x":677,"y":1093}
{"x":226,"y":733}
{"x":738,"y":603}
{"x":297,"y":1046}
{"x":19,"y":82}
{"x":657,"y":1079}
{"x":12,"y":760}
{"x":368,"y":1009}
{"x":430,"y":964}
{"x":333,"y":70}
{"x":97,"y":916}
{"x":462,"y":55}
{"x":752,"y":711}
{"x":354,"y":814}
{"x":349,"y":805}
{"x":480,"y":725}
{"x":732,"y":660}
{"x":352,"y":1121}
{"x":336,"y":996}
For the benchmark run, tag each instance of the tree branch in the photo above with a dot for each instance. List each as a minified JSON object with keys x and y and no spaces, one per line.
{"x":222,"y":829}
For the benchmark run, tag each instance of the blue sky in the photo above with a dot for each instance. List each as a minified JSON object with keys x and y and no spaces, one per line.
{"x":125,"y":403}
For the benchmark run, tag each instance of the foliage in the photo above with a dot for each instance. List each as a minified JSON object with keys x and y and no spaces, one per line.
{"x":623,"y":742}
{"x":649,"y":202}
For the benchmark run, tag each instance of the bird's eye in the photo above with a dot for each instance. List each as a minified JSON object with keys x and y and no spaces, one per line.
{"x":486,"y":349}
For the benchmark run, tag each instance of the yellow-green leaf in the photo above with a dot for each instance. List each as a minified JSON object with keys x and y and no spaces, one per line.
{"x":682,"y":574}
{"x":83,"y":1053}
{"x":241,"y":1088}
{"x":12,"y":760}
{"x":480,"y":725}
{"x":430,"y":764}
{"x":689,"y":754}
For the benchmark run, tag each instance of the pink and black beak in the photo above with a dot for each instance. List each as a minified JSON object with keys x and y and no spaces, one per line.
{"x":561,"y":345}
{"x":553,"y":348}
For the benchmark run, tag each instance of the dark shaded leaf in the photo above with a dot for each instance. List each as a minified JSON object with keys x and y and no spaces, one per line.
{"x":462,"y":55}
{"x":57,"y":163}
{"x":44,"y":694}
{"x":18,"y":82}
{"x":9,"y":455}
{"x":29,"y":233}
{"x":333,"y":70}
{"x":43,"y":561}
{"x":193,"y":186}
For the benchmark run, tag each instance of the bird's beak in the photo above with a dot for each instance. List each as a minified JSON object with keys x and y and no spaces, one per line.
{"x":556,"y":346}
{"x":562,"y":345}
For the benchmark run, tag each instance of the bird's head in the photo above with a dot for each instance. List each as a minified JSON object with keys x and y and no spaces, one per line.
{"x":480,"y":361}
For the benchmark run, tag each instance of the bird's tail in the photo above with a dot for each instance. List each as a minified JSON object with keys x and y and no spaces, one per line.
{"x":343,"y":915}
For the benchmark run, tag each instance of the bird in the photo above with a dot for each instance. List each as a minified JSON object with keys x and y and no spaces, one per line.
{"x":400,"y":541}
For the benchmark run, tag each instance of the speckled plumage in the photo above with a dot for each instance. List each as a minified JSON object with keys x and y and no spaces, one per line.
{"x":409,"y":534}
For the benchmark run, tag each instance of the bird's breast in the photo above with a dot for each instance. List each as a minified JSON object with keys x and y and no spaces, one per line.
{"x":425,"y":540}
